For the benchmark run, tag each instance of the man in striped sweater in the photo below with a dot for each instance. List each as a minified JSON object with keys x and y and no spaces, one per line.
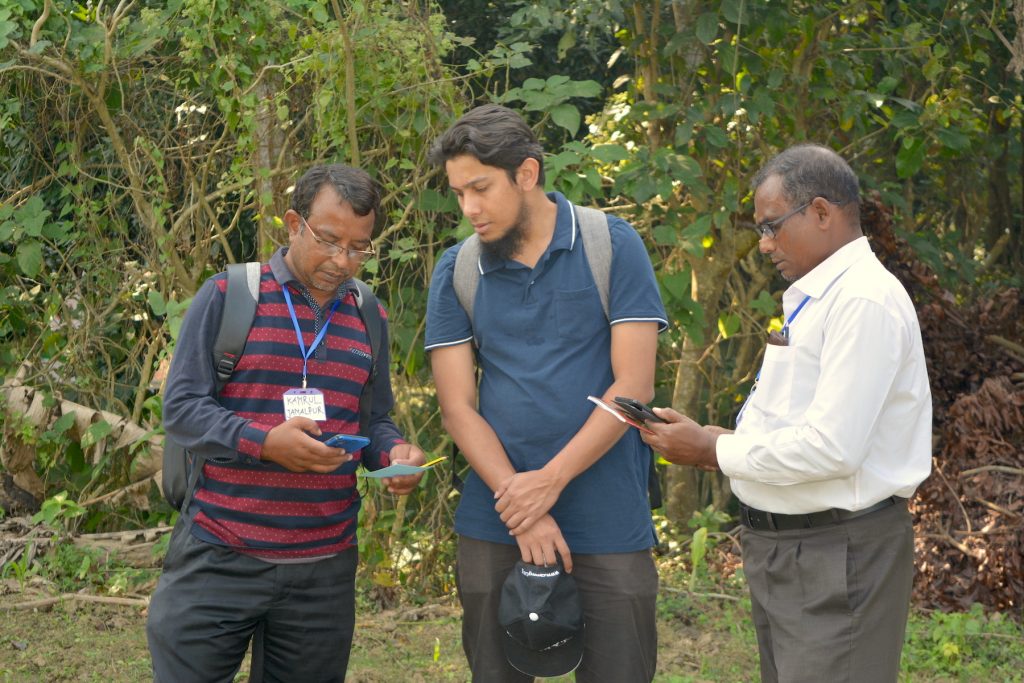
{"x":268,"y":539}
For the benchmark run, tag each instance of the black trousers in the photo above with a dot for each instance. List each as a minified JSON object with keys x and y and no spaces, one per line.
{"x":618,"y":592}
{"x":831,"y":603}
{"x":210,"y":599}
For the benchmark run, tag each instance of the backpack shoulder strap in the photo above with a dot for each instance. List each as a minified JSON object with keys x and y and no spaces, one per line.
{"x":369,"y":311}
{"x":597,"y":242}
{"x":243,"y":292}
{"x":466,"y":276}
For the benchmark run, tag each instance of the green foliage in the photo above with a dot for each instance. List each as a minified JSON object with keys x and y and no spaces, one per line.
{"x":59,"y":512}
{"x":144,"y":146}
{"x":967,"y":646}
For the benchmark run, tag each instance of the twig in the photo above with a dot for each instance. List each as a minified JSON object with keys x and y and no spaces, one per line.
{"x":994,"y":468}
{"x":956,"y":544}
{"x":695,"y":594}
{"x":1016,"y":350}
{"x":956,"y":497}
{"x":45,"y":602}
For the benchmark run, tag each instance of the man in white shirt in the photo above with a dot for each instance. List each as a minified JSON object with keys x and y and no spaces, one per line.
{"x":834,"y":437}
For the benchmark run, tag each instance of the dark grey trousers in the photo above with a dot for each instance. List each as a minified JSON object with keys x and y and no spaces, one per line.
{"x":618,"y":592}
{"x":210,"y":599}
{"x":831,"y":603}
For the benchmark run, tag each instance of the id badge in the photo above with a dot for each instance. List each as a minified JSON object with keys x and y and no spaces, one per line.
{"x":304,"y":403}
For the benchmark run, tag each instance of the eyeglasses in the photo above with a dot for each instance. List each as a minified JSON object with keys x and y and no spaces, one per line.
{"x":331,"y":249}
{"x":770,"y":228}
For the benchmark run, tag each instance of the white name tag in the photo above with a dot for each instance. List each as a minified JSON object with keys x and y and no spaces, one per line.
{"x":304,"y":403}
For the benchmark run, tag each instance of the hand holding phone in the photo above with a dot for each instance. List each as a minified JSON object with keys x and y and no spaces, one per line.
{"x":635,"y":409}
{"x":350,"y":442}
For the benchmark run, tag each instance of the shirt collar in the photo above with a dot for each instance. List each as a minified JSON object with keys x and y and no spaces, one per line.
{"x":564,"y":237}
{"x":283,"y":274}
{"x":821,"y":277}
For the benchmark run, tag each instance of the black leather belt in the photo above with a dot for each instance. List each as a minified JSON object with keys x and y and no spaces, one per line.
{"x":773,"y":521}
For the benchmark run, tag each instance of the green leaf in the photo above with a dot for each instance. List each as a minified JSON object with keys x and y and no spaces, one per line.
{"x":434,"y":201}
{"x":716,"y":137}
{"x":566,"y":43}
{"x":707,"y":27}
{"x":910,"y":157}
{"x":567,"y":116}
{"x":30,"y":257}
{"x":764,"y":303}
{"x":728,"y":325}
{"x":665,"y":234}
{"x":733,"y":11}
{"x":63,"y":423}
{"x":609,"y":153}
{"x":156,"y":302}
{"x":96,"y":433}
{"x":319,"y":13}
{"x":677,"y":284}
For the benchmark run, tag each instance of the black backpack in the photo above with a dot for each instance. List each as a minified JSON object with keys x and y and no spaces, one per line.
{"x":181,"y":468}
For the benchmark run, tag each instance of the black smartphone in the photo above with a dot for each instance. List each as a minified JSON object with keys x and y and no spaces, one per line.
{"x":636,"y":410}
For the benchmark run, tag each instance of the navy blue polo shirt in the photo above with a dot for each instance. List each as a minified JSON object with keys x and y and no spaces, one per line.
{"x":544,"y":346}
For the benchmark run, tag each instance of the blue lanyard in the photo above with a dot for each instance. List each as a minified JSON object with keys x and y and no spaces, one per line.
{"x":785,"y":328}
{"x":298,"y":332}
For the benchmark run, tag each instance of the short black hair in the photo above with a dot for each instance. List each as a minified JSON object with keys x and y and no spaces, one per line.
{"x":810,"y":170}
{"x":352,"y":185}
{"x":495,"y":136}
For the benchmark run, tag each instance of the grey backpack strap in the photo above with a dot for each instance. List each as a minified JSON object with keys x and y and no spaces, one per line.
{"x":466,"y":276}
{"x":597,"y":243}
{"x":366,"y":301}
{"x":240,"y":297}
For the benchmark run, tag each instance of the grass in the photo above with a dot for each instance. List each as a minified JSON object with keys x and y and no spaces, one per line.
{"x":704,"y":636}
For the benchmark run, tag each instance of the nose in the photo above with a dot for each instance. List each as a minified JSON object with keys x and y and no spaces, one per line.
{"x":765,"y":244}
{"x":470,"y":207}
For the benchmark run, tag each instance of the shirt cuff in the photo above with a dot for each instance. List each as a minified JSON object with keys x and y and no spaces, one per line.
{"x":250,"y":442}
{"x":731,"y":451}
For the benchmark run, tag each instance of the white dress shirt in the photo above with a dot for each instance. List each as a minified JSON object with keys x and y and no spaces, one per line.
{"x":841,"y":417}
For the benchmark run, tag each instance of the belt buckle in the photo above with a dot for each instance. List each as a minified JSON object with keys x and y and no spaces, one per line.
{"x":758,"y":519}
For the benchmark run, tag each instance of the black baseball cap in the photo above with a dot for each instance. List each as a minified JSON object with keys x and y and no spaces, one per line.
{"x":542,"y":618}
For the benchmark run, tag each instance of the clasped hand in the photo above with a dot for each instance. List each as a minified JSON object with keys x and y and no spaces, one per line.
{"x":524,"y":498}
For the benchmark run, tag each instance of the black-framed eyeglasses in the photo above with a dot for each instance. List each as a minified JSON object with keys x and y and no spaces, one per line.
{"x":332,"y":249}
{"x":770,"y":228}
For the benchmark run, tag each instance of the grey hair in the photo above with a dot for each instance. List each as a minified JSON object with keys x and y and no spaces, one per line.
{"x":810,"y":170}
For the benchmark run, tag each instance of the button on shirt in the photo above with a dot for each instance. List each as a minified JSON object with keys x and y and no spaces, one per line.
{"x":544,"y":345}
{"x":841,"y":417}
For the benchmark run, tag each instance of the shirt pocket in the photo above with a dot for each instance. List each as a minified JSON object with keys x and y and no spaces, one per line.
{"x":777,"y":381}
{"x":579,"y":313}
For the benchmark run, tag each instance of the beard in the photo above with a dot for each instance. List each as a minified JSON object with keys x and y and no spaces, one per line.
{"x":508,"y":245}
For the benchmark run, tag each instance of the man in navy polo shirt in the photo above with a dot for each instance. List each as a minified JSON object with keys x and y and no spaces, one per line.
{"x":554,"y":479}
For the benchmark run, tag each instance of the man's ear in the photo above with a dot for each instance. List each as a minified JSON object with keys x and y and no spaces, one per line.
{"x":527,"y":174}
{"x":292,"y":221}
{"x":824,"y":210}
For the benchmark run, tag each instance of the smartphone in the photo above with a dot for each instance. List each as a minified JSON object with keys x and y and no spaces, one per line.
{"x":636,"y":410}
{"x":350,"y":442}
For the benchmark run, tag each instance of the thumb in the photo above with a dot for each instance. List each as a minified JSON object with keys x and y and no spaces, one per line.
{"x":305,"y":424}
{"x":669,"y":414}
